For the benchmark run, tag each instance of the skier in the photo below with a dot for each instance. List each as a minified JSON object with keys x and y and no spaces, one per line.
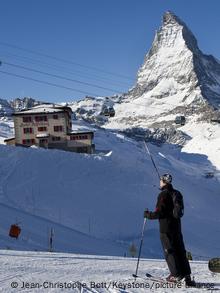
{"x":170,"y":234}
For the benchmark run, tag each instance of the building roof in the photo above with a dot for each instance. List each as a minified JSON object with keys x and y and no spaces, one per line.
{"x":80,"y":131}
{"x":8,"y":139}
{"x":44,"y":109}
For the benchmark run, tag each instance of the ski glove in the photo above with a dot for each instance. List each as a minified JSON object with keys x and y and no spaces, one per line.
{"x":147,"y":214}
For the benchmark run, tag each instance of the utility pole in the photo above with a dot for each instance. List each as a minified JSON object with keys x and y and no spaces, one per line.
{"x":51,"y":235}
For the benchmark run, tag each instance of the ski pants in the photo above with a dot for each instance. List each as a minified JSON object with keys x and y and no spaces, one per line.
{"x":175,"y":254}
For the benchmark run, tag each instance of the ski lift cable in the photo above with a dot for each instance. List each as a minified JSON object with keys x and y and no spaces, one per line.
{"x":58,"y":76}
{"x":64,"y":60}
{"x":65,"y":69}
{"x":47,"y":83}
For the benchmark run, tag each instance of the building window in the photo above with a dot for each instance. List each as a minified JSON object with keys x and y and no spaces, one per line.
{"x":40,"y":118}
{"x":28,"y":141}
{"x":43,"y":140}
{"x":78,"y":137}
{"x":42,"y":128}
{"x":28,"y":130}
{"x":58,"y":128}
{"x":56,"y":138}
{"x":27,"y":119}
{"x":55,"y":116}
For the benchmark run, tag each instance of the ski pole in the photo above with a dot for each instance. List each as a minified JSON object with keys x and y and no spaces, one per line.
{"x":152,"y":160}
{"x":139,"y":254}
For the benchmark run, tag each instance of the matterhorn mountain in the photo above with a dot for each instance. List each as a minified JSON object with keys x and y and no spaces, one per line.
{"x":176,"y":66}
{"x":176,"y":78}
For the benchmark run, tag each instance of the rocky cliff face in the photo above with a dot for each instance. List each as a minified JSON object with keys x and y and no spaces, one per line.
{"x":170,"y":60}
{"x":5,"y":108}
{"x":9,"y":107}
{"x":19,"y":104}
{"x":175,"y":59}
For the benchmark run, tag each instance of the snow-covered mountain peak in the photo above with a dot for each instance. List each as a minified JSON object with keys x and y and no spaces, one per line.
{"x":171,"y":54}
{"x":173,"y":23}
{"x":169,"y":18}
{"x":175,"y":64}
{"x":176,"y":79}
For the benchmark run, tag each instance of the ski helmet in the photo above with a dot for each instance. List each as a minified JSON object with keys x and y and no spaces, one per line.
{"x":167,"y":178}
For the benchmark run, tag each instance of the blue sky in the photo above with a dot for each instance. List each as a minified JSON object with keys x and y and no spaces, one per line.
{"x":110,"y":35}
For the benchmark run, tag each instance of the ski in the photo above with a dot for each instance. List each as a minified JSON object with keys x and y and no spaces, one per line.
{"x":160,"y":279}
{"x":154,"y":279}
{"x":198,"y":285}
{"x":159,"y":282}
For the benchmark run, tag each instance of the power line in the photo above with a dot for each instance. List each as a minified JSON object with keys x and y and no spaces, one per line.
{"x":48,"y":83}
{"x":64,"y":60}
{"x":65,"y":69}
{"x":58,"y":76}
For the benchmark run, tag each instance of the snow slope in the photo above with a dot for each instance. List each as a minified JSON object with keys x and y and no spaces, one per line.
{"x":205,"y":139}
{"x":99,"y":200}
{"x":6,"y":128}
{"x":51,"y":271}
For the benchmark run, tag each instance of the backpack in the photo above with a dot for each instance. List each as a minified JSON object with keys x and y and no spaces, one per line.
{"x":178,"y":205}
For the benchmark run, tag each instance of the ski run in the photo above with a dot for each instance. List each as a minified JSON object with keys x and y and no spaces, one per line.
{"x":61,"y":272}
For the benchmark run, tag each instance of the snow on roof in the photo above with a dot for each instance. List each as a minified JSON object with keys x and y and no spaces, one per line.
{"x":44,"y":108}
{"x":39,"y":110}
{"x":42,"y":135}
{"x":80,"y":131}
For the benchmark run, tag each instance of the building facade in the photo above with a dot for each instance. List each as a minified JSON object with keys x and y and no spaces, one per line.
{"x":50,"y":126}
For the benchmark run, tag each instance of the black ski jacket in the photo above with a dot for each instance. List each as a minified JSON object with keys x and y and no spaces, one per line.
{"x":164,"y":212}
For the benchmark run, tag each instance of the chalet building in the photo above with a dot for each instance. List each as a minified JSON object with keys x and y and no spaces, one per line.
{"x":50,"y":126}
